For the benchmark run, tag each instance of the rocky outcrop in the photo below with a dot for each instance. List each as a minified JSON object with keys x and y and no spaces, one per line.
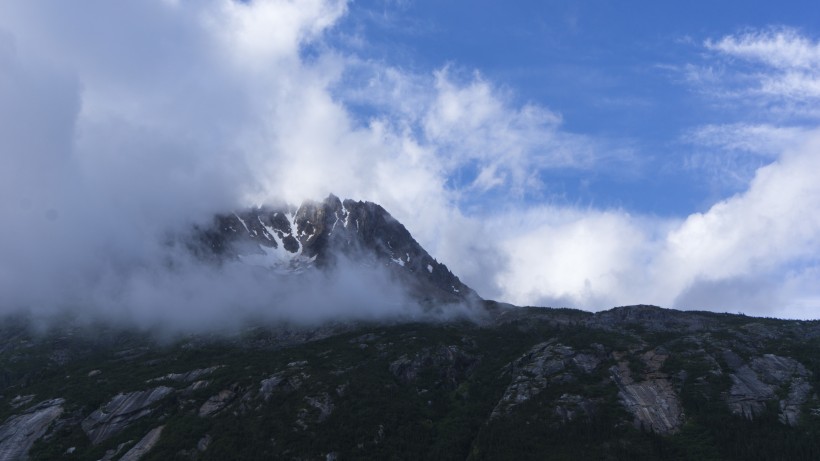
{"x":114,"y":452}
{"x":650,"y":396}
{"x":204,"y":443}
{"x":120,"y":412}
{"x":542,"y":365}
{"x":450,"y":364}
{"x":570,"y":406}
{"x":790,"y":406}
{"x":18,"y":433}
{"x":21,"y":400}
{"x":319,"y":408}
{"x":219,"y":401}
{"x":144,"y":445}
{"x":287,"y":380}
{"x":189,"y":377}
{"x":762,"y":380}
{"x":316,"y":234}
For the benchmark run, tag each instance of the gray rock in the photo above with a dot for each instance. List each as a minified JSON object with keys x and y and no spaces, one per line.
{"x":316,"y":234}
{"x":120,"y":412}
{"x":21,"y":400}
{"x":283,"y":381}
{"x":790,"y":406}
{"x":144,"y":445}
{"x":112,"y":453}
{"x":748,"y":394}
{"x":18,"y":433}
{"x":532,"y":373}
{"x":323,"y":403}
{"x":204,"y":443}
{"x":218,"y":402}
{"x":764,"y":378}
{"x":570,"y":406}
{"x":450,"y":363}
{"x":652,"y":400}
{"x":586,"y":362}
{"x":776,"y":369}
{"x":188,"y":377}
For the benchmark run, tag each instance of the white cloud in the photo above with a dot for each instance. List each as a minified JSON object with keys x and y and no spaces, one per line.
{"x":763,"y":139}
{"x":263,"y":32}
{"x":150,"y":114}
{"x":483,"y":140}
{"x":782,"y":68}
{"x":472,"y":122}
{"x":729,"y":155}
{"x":563,"y":257}
{"x":749,"y":252}
{"x":775,"y":222}
{"x":782,"y":48}
{"x":156,"y":114}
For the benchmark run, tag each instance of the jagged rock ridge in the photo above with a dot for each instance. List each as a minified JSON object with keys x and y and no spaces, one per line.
{"x":289,"y":240}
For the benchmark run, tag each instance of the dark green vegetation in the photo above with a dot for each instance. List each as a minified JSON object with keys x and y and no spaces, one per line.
{"x":528,"y":384}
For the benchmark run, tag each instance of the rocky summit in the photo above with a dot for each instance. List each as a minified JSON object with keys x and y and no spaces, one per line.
{"x":289,"y":240}
{"x":632,"y":382}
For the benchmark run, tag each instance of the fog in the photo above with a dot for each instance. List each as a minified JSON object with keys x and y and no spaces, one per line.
{"x":114,"y":144}
{"x":122,"y":124}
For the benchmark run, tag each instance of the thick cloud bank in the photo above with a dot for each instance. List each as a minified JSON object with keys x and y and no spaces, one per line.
{"x":122,"y":122}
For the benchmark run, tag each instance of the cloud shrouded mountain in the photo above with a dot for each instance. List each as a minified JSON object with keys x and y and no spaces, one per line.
{"x":120,"y":124}
{"x":322,"y":235}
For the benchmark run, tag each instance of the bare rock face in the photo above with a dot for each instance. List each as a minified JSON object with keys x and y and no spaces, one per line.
{"x":651,"y":398}
{"x":120,"y":412}
{"x":287,"y":380}
{"x":748,"y":395}
{"x":219,"y":401}
{"x":319,"y":408}
{"x":545,"y":363}
{"x":762,"y":380}
{"x":790,"y":406}
{"x":21,"y":400}
{"x":189,"y":377}
{"x":570,"y":406}
{"x":451,"y":364}
{"x":114,"y":452}
{"x":323,"y":404}
{"x":18,"y":433}
{"x":314,"y":235}
{"x":144,"y":445}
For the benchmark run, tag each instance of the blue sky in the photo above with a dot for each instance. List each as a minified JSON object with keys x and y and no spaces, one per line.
{"x":581,"y":154}
{"x":612,"y":71}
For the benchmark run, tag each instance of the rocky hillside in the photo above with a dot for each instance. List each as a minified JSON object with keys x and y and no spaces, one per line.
{"x":636,"y":382}
{"x":290,"y":239}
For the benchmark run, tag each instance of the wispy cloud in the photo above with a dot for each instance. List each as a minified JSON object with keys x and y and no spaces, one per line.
{"x":778,"y":67}
{"x":781,"y":48}
{"x":728,"y":155}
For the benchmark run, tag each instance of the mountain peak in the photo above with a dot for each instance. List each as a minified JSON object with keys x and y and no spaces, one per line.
{"x":291,"y":239}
